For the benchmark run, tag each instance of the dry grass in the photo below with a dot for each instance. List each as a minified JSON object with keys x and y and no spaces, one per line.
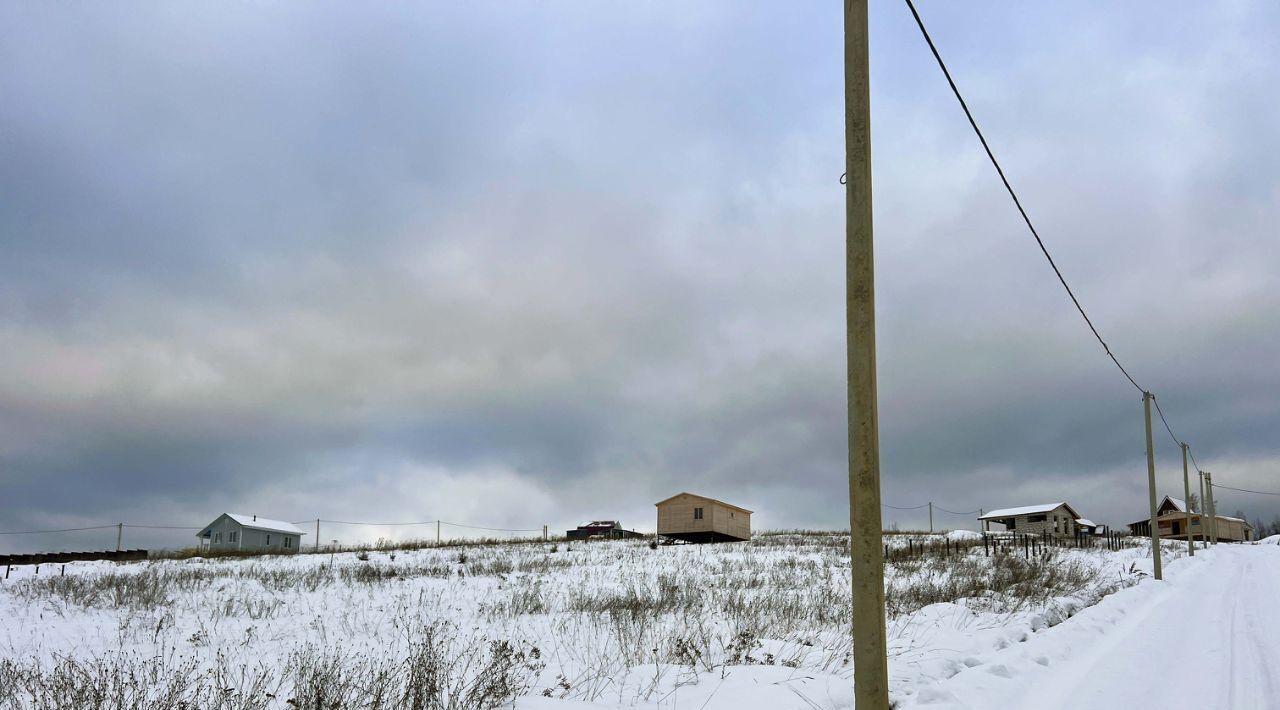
{"x":605,"y":608}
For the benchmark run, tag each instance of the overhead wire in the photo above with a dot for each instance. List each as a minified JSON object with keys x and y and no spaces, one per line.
{"x":350,"y":522}
{"x":40,"y":532}
{"x":1017,"y":202}
{"x":954,"y":512}
{"x":1167,"y":428}
{"x":1246,"y":490}
{"x":1036,"y":234}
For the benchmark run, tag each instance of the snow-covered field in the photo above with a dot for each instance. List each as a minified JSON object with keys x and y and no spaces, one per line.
{"x":762,"y":624}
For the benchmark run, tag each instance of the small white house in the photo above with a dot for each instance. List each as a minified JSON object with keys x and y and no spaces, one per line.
{"x":250,"y":533}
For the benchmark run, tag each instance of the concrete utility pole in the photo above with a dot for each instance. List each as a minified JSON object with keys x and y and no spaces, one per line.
{"x":1204,"y":520}
{"x":1213,"y":507}
{"x":1151,"y":487}
{"x":119,"y":535}
{"x":870,"y":652}
{"x":1186,"y":497}
{"x":317,"y":534}
{"x":930,"y":516}
{"x":437,"y":532}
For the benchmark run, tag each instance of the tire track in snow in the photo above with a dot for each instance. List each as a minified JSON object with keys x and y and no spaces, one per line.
{"x":1207,"y":637}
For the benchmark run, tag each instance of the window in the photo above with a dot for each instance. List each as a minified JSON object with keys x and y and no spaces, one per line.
{"x":233,"y":536}
{"x":268,"y":539}
{"x":731,"y":514}
{"x":697,"y":513}
{"x":1036,"y":518}
{"x":217,"y":537}
{"x":288,"y":542}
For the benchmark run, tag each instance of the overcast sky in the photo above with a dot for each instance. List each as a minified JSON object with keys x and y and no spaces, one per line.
{"x":509,"y":264}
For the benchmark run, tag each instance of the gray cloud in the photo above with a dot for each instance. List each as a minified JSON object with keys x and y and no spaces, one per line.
{"x":526,"y":264}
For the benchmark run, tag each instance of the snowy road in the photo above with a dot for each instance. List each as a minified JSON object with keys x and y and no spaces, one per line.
{"x":1206,"y":637}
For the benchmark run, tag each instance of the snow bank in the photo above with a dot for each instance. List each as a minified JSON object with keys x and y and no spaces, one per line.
{"x":758,"y":625}
{"x":964,"y":535}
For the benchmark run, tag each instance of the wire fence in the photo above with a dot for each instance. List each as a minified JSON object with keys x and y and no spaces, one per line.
{"x":431,"y":532}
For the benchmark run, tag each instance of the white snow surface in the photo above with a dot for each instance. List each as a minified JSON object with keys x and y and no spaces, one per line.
{"x":1208,"y":636}
{"x":1106,"y":646}
{"x":1024,"y":510}
{"x":257,"y":522}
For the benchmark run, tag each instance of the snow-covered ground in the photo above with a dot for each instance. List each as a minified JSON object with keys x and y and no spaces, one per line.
{"x":1206,"y":637}
{"x":609,"y":624}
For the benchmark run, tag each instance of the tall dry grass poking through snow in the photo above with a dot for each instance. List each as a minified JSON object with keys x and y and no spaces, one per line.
{"x":472,"y":628}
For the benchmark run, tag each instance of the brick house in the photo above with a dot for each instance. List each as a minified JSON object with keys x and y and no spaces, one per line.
{"x":1053,"y":518}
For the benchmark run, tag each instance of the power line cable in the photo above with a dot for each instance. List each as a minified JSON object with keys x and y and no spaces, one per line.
{"x":954,"y":512}
{"x":40,"y":532}
{"x":1017,"y":203}
{"x":1159,"y":411}
{"x":348,"y":522}
{"x":163,"y":527}
{"x":1246,"y":490}
{"x":477,"y":527}
{"x":895,"y":507}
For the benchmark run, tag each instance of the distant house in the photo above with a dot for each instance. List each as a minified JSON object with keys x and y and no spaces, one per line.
{"x":611,"y":529}
{"x":1089,"y":527}
{"x":250,"y":533}
{"x":1053,"y":518}
{"x":695,"y":518}
{"x":1176,"y":523}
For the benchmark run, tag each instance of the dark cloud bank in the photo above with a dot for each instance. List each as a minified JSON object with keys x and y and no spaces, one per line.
{"x":515,"y":264}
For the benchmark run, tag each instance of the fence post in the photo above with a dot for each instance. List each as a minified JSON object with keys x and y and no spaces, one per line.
{"x":986,"y":546}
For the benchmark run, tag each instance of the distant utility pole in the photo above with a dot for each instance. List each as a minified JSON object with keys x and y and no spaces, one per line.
{"x":1186,"y":497}
{"x":119,"y":535}
{"x":870,"y":651}
{"x":437,"y":532}
{"x":1213,"y":507}
{"x":1151,"y":487}
{"x":1204,"y":520}
{"x":317,"y":534}
{"x":930,"y":516}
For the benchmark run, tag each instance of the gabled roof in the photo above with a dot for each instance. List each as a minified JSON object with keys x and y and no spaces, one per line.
{"x":1179,"y":504}
{"x":254,"y":522}
{"x":1028,"y":510}
{"x":1086,"y":522}
{"x":713,"y":500}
